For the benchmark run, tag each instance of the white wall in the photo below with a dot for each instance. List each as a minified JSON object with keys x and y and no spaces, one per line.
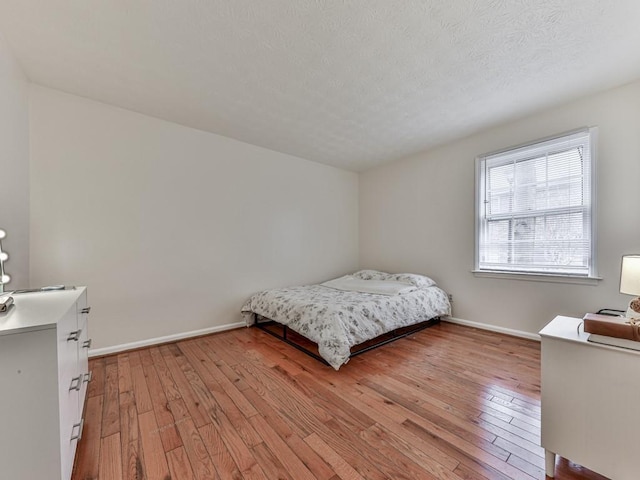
{"x":173,"y":228}
{"x":14,"y":166}
{"x":418,"y":215}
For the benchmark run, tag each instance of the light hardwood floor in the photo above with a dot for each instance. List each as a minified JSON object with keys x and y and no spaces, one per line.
{"x":449,"y":402}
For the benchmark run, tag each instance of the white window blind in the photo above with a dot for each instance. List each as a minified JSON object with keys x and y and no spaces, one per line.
{"x":535,"y":208}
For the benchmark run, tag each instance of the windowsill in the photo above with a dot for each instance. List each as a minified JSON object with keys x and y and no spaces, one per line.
{"x":537,"y":277}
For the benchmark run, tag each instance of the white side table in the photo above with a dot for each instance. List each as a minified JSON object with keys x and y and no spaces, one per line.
{"x":590,"y":402}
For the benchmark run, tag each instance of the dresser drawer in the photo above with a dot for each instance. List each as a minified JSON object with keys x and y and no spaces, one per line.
{"x":68,"y":340}
{"x":84,"y":344}
{"x":70,"y":384}
{"x":29,"y":434}
{"x":70,"y":425}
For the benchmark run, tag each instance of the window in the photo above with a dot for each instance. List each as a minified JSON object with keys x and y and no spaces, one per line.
{"x":535,"y":207}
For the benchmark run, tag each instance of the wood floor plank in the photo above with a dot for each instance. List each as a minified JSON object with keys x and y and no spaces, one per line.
{"x":145,"y":357}
{"x":413,"y":399}
{"x":111,"y":406}
{"x":257,"y":473}
{"x":345,"y":444}
{"x":170,"y":437}
{"x":87,"y":465}
{"x":169,"y":387}
{"x":143,"y":398}
{"x":269,"y":463}
{"x":220,"y":348}
{"x":203,"y":468}
{"x":327,"y":403}
{"x":568,"y":469}
{"x":215,"y":397}
{"x":160,"y":405}
{"x":232,"y":375}
{"x":306,"y":414}
{"x":233,"y":441}
{"x":392,"y":417}
{"x":96,"y":386}
{"x":530,"y":446}
{"x":491,"y":406}
{"x":533,"y":457}
{"x":131,"y":451}
{"x":449,"y":402}
{"x":531,"y":428}
{"x":155,"y":461}
{"x":468,"y":453}
{"x":421,"y":458}
{"x":219,"y":453}
{"x":399,"y":461}
{"x":534,"y":470}
{"x":188,"y":395}
{"x":506,"y":429}
{"x":179,"y":465}
{"x":229,"y":387}
{"x":435,"y":425}
{"x":280,"y":448}
{"x":110,"y":460}
{"x":470,"y":473}
{"x":269,"y":413}
{"x":310,"y":458}
{"x":391,"y":462}
{"x":339,"y":464}
{"x":125,"y":382}
{"x":134,"y":359}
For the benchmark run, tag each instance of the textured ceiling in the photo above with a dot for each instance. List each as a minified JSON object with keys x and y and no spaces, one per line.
{"x":346,"y":83}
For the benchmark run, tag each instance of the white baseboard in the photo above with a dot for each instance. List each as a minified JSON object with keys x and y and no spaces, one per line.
{"x":98,"y":352}
{"x":492,"y":328}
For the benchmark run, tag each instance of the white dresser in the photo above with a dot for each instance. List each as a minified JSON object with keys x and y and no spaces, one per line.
{"x":590,"y":400}
{"x":43,"y":383}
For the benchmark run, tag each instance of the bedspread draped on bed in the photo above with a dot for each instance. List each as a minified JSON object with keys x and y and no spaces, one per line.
{"x":337,"y":320}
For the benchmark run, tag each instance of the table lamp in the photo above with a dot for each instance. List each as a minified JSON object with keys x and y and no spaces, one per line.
{"x":630,"y":283}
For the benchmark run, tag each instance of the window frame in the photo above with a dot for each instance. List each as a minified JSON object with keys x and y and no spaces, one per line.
{"x":591,"y":277}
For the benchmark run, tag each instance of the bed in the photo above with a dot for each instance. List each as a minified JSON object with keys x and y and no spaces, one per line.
{"x":349,"y":311}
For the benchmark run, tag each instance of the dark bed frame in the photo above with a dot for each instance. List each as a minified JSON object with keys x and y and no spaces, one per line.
{"x":264,"y":324}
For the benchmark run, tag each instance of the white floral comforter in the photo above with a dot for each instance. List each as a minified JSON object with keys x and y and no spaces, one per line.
{"x":337,"y":320}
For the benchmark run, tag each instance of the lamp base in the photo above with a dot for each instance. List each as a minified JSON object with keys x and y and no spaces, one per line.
{"x":633,"y":311}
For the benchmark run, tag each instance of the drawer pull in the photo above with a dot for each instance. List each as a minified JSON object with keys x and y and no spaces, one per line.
{"x":86,"y":344}
{"x":76,"y":382}
{"x":74,"y":336}
{"x":88,"y":377}
{"x":85,"y":310}
{"x":79,"y":426}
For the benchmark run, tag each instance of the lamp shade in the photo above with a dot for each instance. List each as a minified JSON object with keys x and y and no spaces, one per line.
{"x":630,"y":275}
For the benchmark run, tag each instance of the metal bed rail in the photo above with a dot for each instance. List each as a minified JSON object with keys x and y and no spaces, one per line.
{"x":263,"y":323}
